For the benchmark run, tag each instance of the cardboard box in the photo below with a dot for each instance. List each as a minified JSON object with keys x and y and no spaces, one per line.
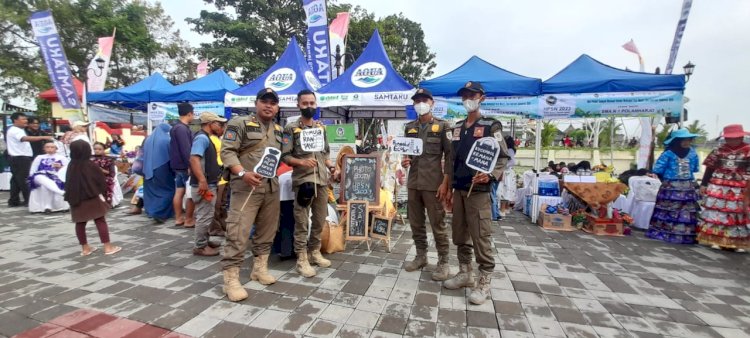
{"x":603,"y":226}
{"x":555,"y":221}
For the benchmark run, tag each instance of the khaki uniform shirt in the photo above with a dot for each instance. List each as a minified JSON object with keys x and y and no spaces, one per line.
{"x":243,"y":133}
{"x":292,"y":147}
{"x":427,"y":170}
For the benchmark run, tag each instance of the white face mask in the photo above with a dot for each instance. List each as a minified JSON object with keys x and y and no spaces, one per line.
{"x":422,"y":108}
{"x":471,"y":105}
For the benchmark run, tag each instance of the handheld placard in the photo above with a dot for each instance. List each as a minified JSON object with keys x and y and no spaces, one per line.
{"x":411,"y":146}
{"x":483,"y":156}
{"x":313,"y":140}
{"x":266,"y":167}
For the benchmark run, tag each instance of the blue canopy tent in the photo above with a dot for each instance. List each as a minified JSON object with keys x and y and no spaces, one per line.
{"x":288,"y":76}
{"x":507,"y":93}
{"x":139,"y":92}
{"x":211,"y":87}
{"x":371,"y":85}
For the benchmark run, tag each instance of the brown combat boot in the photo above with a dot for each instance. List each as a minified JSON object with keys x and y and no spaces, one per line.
{"x":232,"y":287}
{"x":481,"y":292}
{"x":260,"y":271}
{"x":205,"y":251}
{"x":419,"y":262}
{"x":315,"y":257}
{"x":303,"y":266}
{"x":464,"y":278}
{"x":442,"y":271}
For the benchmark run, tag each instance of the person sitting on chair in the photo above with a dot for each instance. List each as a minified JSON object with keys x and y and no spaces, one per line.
{"x":46,"y":181}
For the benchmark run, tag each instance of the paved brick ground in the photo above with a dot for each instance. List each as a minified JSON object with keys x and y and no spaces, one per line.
{"x":545,"y":284}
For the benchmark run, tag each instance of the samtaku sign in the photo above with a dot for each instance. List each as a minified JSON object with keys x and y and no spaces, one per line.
{"x":378,"y":99}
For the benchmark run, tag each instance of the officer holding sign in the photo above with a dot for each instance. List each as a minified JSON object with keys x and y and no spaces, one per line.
{"x":428,"y":183}
{"x":242,"y":147}
{"x":472,"y":213}
{"x":304,"y":151}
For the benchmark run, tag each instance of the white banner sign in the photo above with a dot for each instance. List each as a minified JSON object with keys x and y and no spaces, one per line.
{"x":386,"y":99}
{"x":312,"y":140}
{"x":407,"y":146}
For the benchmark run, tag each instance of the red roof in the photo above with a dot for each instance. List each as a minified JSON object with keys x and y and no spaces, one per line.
{"x":51,"y":95}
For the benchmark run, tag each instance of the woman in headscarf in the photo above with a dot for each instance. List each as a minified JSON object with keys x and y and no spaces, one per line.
{"x":676,"y":212}
{"x":726,"y":184}
{"x":158,"y":187}
{"x":85,"y":187}
{"x":46,"y":181}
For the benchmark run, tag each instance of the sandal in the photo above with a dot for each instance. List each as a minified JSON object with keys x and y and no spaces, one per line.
{"x":93,"y":248}
{"x":114,"y":251}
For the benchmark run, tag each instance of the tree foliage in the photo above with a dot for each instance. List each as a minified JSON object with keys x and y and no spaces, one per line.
{"x":698,"y":128}
{"x":252,"y":34}
{"x":549,"y":131}
{"x":145,"y":42}
{"x":609,"y":127}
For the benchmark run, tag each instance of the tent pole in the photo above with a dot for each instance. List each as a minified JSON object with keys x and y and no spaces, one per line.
{"x":612,"y":142}
{"x":538,"y":146}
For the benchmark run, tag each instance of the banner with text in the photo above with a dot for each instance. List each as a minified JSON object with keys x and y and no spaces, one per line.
{"x":159,"y":111}
{"x":97,"y":77}
{"x":592,"y":105}
{"x":452,"y":108}
{"x":318,"y":49}
{"x":45,"y":31}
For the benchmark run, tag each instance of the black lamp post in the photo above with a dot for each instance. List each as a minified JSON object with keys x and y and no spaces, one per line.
{"x":688,"y":68}
{"x":99,"y":65}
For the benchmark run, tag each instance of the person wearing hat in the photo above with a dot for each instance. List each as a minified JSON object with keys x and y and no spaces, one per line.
{"x":79,"y":132}
{"x":472,"y":213}
{"x":725,"y":217}
{"x":204,"y":178}
{"x":242,"y":148}
{"x":310,"y":174}
{"x":428,"y":183}
{"x":675,"y":214}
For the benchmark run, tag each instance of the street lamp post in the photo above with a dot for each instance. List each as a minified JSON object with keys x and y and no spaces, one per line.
{"x":688,"y":68}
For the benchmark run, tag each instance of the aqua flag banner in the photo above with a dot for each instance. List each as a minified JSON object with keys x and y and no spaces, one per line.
{"x":45,"y":32}
{"x":318,"y":49}
{"x":158,"y":111}
{"x":592,"y":105}
{"x":511,"y":106}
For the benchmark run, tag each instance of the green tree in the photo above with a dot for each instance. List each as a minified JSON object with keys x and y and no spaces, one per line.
{"x":698,"y":128}
{"x":145,"y":42}
{"x":605,"y":136}
{"x":549,"y":131}
{"x":252,"y":34}
{"x":662,"y":134}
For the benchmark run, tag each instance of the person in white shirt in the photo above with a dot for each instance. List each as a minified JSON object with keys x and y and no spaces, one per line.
{"x":20,"y":157}
{"x":47,"y":181}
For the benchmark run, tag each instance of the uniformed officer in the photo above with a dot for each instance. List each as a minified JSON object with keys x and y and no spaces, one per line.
{"x":242,"y":147}
{"x":428,"y":183}
{"x":310,"y":182}
{"x":472,"y":214}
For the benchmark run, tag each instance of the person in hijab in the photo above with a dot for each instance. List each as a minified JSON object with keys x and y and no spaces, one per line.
{"x":676,"y":212}
{"x":724,"y":221}
{"x":158,"y":186}
{"x":85,"y":187}
{"x":46,"y":181}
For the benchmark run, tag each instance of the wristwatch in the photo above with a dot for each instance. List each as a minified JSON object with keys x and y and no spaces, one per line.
{"x":241,"y":173}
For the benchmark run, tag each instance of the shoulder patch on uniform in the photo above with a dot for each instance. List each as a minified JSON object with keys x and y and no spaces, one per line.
{"x":412,"y":131}
{"x":285,"y":139}
{"x":251,"y":124}
{"x":230,"y":134}
{"x":436,"y":128}
{"x":278,"y":127}
{"x":449,"y":134}
{"x":297,"y":130}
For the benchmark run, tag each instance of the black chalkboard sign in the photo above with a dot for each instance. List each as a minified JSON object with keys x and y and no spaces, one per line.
{"x":381,"y":227}
{"x":361,"y":179}
{"x":356,"y":219}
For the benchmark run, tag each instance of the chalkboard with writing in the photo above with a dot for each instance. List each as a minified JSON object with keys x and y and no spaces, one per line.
{"x":357,"y":219}
{"x":381,"y":227}
{"x":361,"y":179}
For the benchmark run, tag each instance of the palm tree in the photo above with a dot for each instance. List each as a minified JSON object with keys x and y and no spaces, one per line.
{"x":698,"y":128}
{"x":606,"y":132}
{"x":549,"y":131}
{"x":662,"y":135}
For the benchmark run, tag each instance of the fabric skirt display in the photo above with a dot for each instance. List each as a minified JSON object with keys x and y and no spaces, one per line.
{"x":724,"y":221}
{"x":158,"y":192}
{"x":675,"y":215}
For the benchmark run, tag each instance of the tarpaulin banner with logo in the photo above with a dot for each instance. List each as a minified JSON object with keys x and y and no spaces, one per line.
{"x":591,"y":105}
{"x":51,"y":46}
{"x":511,"y":106}
{"x":400,"y":98}
{"x":159,"y":111}
{"x":279,"y":80}
{"x":97,"y":77}
{"x":318,"y":50}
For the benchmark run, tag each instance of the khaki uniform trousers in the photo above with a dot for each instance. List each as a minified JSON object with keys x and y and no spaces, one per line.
{"x":263,"y":211}
{"x":472,"y":228}
{"x":419,"y":200}
{"x":319,"y":207}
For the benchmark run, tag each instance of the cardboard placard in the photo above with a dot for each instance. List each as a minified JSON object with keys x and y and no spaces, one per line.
{"x":267,"y":165}
{"x":412,"y":146}
{"x":483,"y":155}
{"x":361,"y":179}
{"x":357,"y":220}
{"x":312,"y":140}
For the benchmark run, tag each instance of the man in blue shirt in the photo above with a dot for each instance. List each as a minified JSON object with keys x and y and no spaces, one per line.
{"x":205,"y":170}
{"x":180,"y":142}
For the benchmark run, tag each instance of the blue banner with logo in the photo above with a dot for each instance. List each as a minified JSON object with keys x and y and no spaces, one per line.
{"x":498,"y":107}
{"x":318,"y":49}
{"x":53,"y":52}
{"x":595,"y":105}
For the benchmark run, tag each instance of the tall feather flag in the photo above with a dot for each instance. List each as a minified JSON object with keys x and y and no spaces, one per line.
{"x":96,"y":74}
{"x":337,"y":35}
{"x":631,"y":47}
{"x":202,"y":69}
